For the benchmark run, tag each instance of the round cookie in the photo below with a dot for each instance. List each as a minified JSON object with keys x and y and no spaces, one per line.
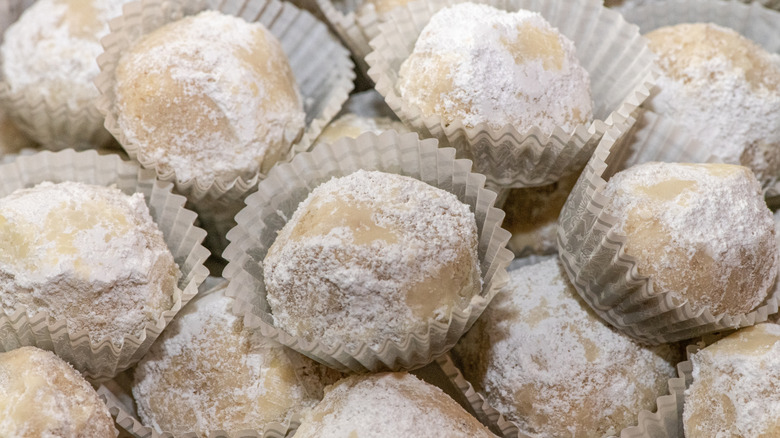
{"x":388,"y":404}
{"x":734,"y":392}
{"x":701,"y":232}
{"x":208,"y":97}
{"x":725,"y":89}
{"x":548,"y":363}
{"x":477,"y":64}
{"x":42,"y":396}
{"x":207,"y":372}
{"x":88,"y":255}
{"x":372,"y":257}
{"x":352,"y":125}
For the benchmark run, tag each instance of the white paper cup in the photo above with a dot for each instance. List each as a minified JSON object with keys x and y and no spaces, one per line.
{"x":288,"y":184}
{"x":105,"y":359}
{"x":321,"y":66}
{"x":617,"y":58}
{"x":592,"y":254}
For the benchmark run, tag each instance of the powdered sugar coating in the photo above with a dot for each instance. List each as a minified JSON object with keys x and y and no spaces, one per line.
{"x":388,"y":404}
{"x":206,"y":373}
{"x":372,"y":257}
{"x":725,"y":89}
{"x":735,"y":389}
{"x":42,"y":396}
{"x":209,"y":97}
{"x":548,"y":363}
{"x":51,"y":50}
{"x":86,"y":254}
{"x":702,"y":232}
{"x":478,"y":64}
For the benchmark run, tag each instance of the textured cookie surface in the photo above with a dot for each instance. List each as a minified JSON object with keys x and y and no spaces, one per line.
{"x":370,"y":257}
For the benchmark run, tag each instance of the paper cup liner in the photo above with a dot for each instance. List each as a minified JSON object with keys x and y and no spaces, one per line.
{"x":664,"y":423}
{"x":592,"y":253}
{"x":321,"y":66}
{"x":617,"y":58}
{"x":120,"y":402}
{"x":289,"y":184}
{"x":55,"y":126}
{"x":356,"y":30}
{"x":102,"y":360}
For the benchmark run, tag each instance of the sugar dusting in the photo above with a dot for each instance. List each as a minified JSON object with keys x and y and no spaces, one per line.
{"x":90,"y":255}
{"x":546,"y":361}
{"x":206,"y":373}
{"x":232,"y":113}
{"x":388,"y":404}
{"x":693,"y":225}
{"x":734,"y":391}
{"x":479,"y":64}
{"x":710,"y":87}
{"x":349,"y":281}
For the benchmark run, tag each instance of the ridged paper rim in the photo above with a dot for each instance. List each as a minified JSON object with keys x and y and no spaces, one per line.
{"x":591,"y":251}
{"x":319,"y":62}
{"x":288,"y":184}
{"x":104,"y":359}
{"x":618,"y":59}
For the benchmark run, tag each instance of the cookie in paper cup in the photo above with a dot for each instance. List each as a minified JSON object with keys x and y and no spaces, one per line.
{"x":288,"y":185}
{"x":118,"y":349}
{"x":620,"y":68}
{"x":47,"y":67}
{"x":320,"y":67}
{"x":208,"y":375}
{"x":593,"y":250}
{"x":721,"y":74}
{"x":544,"y":360}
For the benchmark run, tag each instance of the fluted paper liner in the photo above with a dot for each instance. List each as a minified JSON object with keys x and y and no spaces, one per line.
{"x":591,"y":251}
{"x":54,"y":126}
{"x":321,"y":66}
{"x":125,"y":416}
{"x":664,"y":423}
{"x":104,"y":359}
{"x":288,"y":184}
{"x":356,"y":30}
{"x":621,"y":71}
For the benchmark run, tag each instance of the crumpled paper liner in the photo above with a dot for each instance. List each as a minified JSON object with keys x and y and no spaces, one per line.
{"x":119,"y":400}
{"x":356,"y":30}
{"x":664,"y":423}
{"x":53,"y":125}
{"x":321,"y":66}
{"x":99,"y":361}
{"x":288,"y":184}
{"x":591,"y":252}
{"x":621,"y":70}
